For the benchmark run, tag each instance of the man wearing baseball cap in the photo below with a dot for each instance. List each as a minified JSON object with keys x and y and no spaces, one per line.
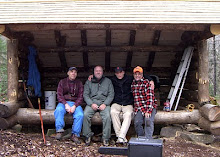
{"x":145,"y":104}
{"x":122,"y":103}
{"x":70,"y":97}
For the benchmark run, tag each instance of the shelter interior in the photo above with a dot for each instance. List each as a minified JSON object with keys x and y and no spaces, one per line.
{"x":158,"y":48}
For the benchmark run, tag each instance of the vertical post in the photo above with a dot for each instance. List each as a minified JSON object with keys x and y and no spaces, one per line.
{"x":214,"y":56}
{"x":12,"y":58}
{"x":203,"y":85}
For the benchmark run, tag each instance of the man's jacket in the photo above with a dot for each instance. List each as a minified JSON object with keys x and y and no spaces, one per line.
{"x":122,"y":88}
{"x":70,"y":91}
{"x":98,"y":92}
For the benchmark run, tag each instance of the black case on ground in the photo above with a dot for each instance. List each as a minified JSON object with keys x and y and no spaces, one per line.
{"x":142,"y":147}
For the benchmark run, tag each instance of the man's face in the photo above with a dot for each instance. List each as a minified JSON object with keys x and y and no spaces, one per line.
{"x":120,"y":75}
{"x":98,"y":72}
{"x":138,"y":76}
{"x":72,"y":74}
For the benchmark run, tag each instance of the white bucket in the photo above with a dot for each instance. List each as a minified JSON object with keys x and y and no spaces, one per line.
{"x":50,"y":100}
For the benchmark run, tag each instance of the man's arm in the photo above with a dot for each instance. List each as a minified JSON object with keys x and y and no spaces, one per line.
{"x":86,"y":94}
{"x":80,"y":94}
{"x":150,"y":98}
{"x":60,"y":96}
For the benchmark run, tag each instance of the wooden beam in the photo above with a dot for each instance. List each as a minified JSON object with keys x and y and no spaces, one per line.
{"x":173,"y":49}
{"x":152,"y":53}
{"x":130,"y":53}
{"x":85,"y":52}
{"x":108,"y":53}
{"x":203,"y":86}
{"x":90,"y":26}
{"x":12,"y":57}
{"x":61,"y":42}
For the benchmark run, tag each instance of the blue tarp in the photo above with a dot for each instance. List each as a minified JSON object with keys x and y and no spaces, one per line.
{"x":33,"y":72}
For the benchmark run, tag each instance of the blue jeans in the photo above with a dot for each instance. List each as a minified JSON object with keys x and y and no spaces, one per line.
{"x":77,"y":117}
{"x":148,"y":130}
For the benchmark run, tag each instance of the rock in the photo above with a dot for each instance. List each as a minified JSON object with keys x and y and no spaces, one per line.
{"x":169,"y":131}
{"x":196,"y":137}
{"x":17,"y":127}
{"x":192,"y":128}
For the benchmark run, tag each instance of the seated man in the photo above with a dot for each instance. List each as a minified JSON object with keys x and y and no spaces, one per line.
{"x":144,"y":104}
{"x":122,"y":102}
{"x":70,"y":96}
{"x":98,"y":95}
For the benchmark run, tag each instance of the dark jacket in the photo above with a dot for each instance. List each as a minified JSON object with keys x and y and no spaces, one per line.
{"x":70,"y":91}
{"x":122,"y":88}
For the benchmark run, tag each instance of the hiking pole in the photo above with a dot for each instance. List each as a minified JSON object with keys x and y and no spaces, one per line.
{"x":41,"y":120}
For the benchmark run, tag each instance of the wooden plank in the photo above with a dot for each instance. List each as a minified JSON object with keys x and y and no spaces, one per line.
{"x":152,"y":53}
{"x":108,"y":53}
{"x":170,"y":49}
{"x":113,"y":26}
{"x":130,"y":53}
{"x":61,"y":42}
{"x":85,"y":53}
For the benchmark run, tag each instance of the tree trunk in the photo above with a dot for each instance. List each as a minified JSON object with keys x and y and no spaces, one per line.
{"x":213,"y":127}
{"x":10,"y":108}
{"x":31,"y":116}
{"x":12,"y":56}
{"x":203,"y":86}
{"x":210,"y":112}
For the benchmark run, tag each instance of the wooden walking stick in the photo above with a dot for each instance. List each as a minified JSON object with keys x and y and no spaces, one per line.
{"x":41,"y":120}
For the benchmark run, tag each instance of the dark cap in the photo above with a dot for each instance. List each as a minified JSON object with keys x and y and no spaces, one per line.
{"x":118,"y":69}
{"x":72,"y":68}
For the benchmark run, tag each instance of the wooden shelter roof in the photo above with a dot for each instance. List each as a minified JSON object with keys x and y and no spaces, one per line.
{"x":68,"y":11}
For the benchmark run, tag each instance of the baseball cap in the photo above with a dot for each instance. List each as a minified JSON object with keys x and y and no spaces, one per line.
{"x":118,"y":69}
{"x":72,"y":68}
{"x":138,"y":69}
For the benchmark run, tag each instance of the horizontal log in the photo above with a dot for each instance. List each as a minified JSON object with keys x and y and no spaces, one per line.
{"x":184,"y":103}
{"x":31,"y":116}
{"x":210,"y":112}
{"x":6,"y":123}
{"x":72,"y":26}
{"x":213,"y":127}
{"x":10,"y":108}
{"x":190,"y":95}
{"x":191,"y":86}
{"x":111,"y":49}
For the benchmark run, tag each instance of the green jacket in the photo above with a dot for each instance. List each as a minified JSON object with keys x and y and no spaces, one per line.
{"x":98,"y":93}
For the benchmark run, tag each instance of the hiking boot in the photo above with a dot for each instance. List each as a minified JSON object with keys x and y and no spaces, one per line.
{"x":59,"y":135}
{"x":106,"y":142}
{"x":75,"y":139}
{"x":88,"y":140}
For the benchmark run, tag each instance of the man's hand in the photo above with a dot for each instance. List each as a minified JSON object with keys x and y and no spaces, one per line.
{"x":90,"y":77}
{"x":147,"y":115}
{"x":67,"y":107}
{"x":152,"y":85}
{"x":102,"y":107}
{"x":95,"y":107}
{"x":73,"y":108}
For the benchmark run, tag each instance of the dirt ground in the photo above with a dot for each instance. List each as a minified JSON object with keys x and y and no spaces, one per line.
{"x":31,"y":144}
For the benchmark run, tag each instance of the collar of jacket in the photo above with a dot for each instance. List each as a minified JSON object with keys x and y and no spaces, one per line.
{"x":95,"y":80}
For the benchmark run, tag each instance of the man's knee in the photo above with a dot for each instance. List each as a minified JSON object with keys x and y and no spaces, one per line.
{"x":60,"y":110}
{"x":80,"y":115}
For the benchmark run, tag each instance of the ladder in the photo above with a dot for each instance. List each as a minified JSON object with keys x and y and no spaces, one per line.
{"x":180,"y":77}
